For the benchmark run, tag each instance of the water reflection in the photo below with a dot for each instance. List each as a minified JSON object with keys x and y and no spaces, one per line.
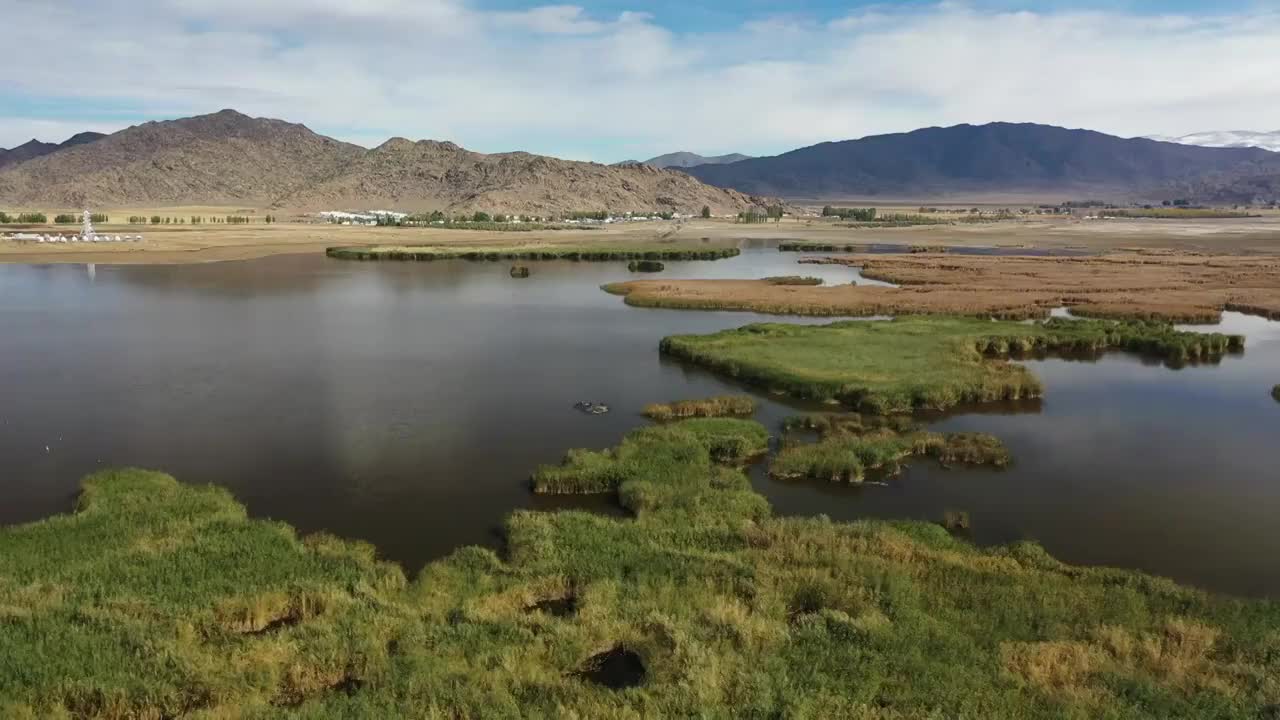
{"x":407,"y":404}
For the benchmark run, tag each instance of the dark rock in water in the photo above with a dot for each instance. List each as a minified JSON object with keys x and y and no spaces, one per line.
{"x":519,"y":271}
{"x":591,"y":408}
{"x":955,"y":520}
{"x":645,"y":266}
{"x":616,"y":669}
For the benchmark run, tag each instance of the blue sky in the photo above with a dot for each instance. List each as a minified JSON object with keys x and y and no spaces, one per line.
{"x":615,"y":79}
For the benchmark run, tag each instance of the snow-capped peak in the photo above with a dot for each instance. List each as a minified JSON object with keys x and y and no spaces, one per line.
{"x":1227,"y":138}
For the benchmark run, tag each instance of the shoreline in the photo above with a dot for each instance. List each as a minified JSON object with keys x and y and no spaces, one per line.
{"x":167,"y":244}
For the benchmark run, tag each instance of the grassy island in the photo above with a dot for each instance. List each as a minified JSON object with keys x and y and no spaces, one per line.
{"x":602,"y":251}
{"x":156,"y":599}
{"x":924,"y":362}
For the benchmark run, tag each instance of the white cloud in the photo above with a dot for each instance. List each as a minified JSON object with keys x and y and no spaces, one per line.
{"x":561,"y":80}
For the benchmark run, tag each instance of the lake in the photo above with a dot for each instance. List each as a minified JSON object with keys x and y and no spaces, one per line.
{"x":407,"y":403}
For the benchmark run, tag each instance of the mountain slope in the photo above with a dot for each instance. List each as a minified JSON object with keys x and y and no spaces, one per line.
{"x":998,"y":157}
{"x":227,"y":157}
{"x":684,"y":159}
{"x":1227,"y":138}
{"x":209,"y":159}
{"x":430,"y":174}
{"x":34,"y":148}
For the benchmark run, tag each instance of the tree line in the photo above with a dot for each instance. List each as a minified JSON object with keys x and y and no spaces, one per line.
{"x":858,"y":214}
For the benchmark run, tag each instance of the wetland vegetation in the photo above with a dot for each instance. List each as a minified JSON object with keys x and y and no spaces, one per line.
{"x":156,"y":599}
{"x":1171,"y":287}
{"x":793,"y":280}
{"x":593,"y":251}
{"x":917,"y":362}
{"x":848,"y":458}
{"x":718,"y":406}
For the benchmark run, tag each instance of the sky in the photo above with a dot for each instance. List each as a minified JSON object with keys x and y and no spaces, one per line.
{"x":609,"y":80}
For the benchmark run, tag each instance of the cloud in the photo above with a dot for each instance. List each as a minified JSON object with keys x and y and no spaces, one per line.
{"x":563,"y":80}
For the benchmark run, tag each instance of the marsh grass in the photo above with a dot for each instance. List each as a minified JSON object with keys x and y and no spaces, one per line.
{"x":647,"y":266}
{"x":1176,"y":287}
{"x":648,"y":462}
{"x":598,"y":252}
{"x":793,"y":280}
{"x":848,"y":458}
{"x":1275,"y":393}
{"x":112,"y":612}
{"x":918,"y":363}
{"x":519,"y":271}
{"x":718,"y":406}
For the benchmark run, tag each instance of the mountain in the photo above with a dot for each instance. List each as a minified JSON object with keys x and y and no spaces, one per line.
{"x":34,"y":148}
{"x":430,"y":174}
{"x":992,"y":158}
{"x":687,"y":160}
{"x":229,"y":158}
{"x":1227,"y":138}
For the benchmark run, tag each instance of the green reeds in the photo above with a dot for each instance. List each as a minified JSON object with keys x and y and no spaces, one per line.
{"x":652,"y":455}
{"x":156,"y":599}
{"x":920,"y":362}
{"x":519,"y":271}
{"x":646,"y":266}
{"x":600,"y":252}
{"x":1275,"y":393}
{"x":793,"y":280}
{"x":847,"y":458}
{"x":719,"y":406}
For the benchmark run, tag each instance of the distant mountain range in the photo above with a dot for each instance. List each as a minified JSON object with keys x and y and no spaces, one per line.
{"x":998,"y":158}
{"x":1227,"y":138}
{"x":687,"y":160}
{"x":229,"y":158}
{"x":34,"y":148}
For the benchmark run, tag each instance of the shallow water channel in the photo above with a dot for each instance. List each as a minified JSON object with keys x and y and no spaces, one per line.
{"x":406,"y":404}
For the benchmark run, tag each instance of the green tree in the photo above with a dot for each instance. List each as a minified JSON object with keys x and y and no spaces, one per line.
{"x":706,"y":211}
{"x":480,"y":217}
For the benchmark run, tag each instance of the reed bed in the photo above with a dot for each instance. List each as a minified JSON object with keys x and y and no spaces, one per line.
{"x":1168,"y":287}
{"x":596,"y":253}
{"x":793,"y":280}
{"x":649,"y":454}
{"x":718,"y":406}
{"x":1275,"y":393}
{"x":519,"y":271}
{"x":647,"y":266}
{"x":919,"y":363}
{"x":156,"y":599}
{"x":848,"y":458}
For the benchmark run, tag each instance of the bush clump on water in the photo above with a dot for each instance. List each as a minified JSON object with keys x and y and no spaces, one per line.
{"x":719,"y":406}
{"x":519,"y":271}
{"x":646,"y":266}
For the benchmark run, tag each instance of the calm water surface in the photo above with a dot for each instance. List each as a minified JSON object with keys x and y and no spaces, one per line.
{"x":407,"y":403}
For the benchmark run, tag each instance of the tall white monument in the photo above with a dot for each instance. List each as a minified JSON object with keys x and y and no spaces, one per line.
{"x":86,"y":231}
